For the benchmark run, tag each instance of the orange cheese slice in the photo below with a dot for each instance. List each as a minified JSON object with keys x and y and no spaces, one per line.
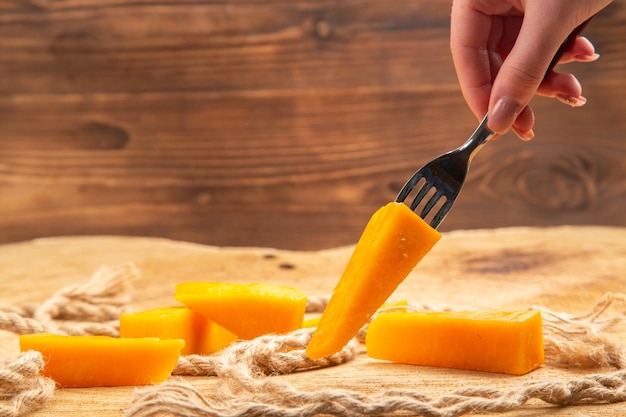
{"x":393,"y":242}
{"x":246,"y":310}
{"x":103,"y":361}
{"x":201,"y":335}
{"x":504,"y":342}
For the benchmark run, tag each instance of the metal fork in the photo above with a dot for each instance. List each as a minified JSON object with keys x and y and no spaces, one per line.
{"x":442,"y":178}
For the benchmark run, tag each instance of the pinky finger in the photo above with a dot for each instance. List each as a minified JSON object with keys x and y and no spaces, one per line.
{"x":582,"y":50}
{"x":563,"y":87}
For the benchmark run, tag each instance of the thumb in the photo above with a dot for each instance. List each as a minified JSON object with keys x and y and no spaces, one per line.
{"x":523,"y":70}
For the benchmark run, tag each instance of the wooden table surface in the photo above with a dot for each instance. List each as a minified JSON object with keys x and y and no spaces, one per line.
{"x":566,"y":269}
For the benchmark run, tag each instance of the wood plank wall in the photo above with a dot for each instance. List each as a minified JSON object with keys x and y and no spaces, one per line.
{"x":275,"y":123}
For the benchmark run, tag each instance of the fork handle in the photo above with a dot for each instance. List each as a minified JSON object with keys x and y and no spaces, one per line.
{"x":477,"y":140}
{"x":567,"y":43}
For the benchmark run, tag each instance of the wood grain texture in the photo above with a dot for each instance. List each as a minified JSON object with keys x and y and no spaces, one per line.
{"x":565,"y":269}
{"x":275,"y":123}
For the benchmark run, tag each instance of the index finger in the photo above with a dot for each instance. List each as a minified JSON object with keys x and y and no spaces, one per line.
{"x":471,"y":38}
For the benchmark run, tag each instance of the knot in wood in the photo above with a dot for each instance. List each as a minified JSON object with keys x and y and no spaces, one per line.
{"x":561,"y":184}
{"x":322,"y":29}
{"x":100,"y":136}
{"x":553,"y":179}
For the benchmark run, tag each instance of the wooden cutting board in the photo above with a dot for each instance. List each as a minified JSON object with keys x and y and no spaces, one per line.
{"x":565,"y":269}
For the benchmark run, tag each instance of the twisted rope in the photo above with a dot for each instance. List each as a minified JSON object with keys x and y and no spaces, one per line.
{"x":89,"y":308}
{"x":246,"y":370}
{"x":22,"y":389}
{"x":244,"y":388}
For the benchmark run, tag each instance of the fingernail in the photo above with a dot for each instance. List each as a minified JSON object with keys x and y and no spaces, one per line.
{"x":525,"y":136}
{"x":504,"y":113}
{"x":587,"y":58}
{"x":572,"y":101}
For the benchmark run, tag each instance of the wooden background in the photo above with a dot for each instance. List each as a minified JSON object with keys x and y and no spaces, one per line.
{"x":275,"y":123}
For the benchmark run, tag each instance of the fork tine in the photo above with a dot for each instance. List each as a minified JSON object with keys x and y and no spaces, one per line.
{"x":441,"y":214}
{"x":431,"y":203}
{"x":408,"y":187}
{"x":421,"y":194}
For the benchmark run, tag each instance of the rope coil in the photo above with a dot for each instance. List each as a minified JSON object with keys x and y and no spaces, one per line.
{"x":246,"y":370}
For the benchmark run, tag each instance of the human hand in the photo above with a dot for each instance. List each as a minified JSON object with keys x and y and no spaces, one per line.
{"x":502,"y":49}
